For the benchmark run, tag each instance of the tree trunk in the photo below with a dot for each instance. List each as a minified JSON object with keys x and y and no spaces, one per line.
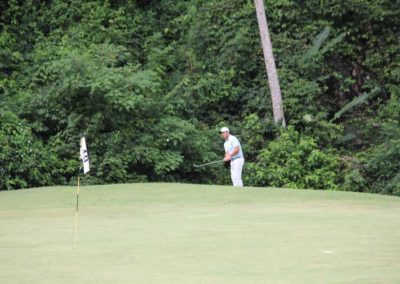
{"x":273,"y":80}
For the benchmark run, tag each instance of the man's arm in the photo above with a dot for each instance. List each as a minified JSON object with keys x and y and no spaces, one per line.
{"x":228,"y":156}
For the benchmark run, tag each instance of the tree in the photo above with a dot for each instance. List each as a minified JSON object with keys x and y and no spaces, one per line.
{"x":270,"y":64}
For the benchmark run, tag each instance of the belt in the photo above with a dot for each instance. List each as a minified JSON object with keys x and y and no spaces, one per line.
{"x":236,"y":158}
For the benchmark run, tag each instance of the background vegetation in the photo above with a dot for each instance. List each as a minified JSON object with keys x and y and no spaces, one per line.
{"x":150,"y":82}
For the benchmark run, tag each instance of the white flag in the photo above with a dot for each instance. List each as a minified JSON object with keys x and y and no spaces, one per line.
{"x":84,"y":156}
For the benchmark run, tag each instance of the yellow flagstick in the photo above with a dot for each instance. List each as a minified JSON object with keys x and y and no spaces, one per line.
{"x":76,"y":216}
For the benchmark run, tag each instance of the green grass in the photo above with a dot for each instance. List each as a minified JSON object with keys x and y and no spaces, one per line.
{"x":176,"y":233}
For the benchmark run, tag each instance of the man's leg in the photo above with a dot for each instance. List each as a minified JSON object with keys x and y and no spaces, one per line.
{"x":233,"y":173}
{"x":236,"y":172}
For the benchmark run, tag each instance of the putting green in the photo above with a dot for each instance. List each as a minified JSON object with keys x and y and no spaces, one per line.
{"x":177,"y":233}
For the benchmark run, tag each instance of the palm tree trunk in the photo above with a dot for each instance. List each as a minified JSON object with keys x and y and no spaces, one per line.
{"x":273,"y":80}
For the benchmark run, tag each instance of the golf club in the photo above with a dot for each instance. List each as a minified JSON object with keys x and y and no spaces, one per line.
{"x":206,"y":164}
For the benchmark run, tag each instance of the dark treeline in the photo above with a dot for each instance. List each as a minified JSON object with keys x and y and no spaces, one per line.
{"x":150,"y":82}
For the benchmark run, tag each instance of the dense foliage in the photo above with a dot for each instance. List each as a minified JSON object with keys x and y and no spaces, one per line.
{"x":149,"y":83}
{"x":294,"y":161}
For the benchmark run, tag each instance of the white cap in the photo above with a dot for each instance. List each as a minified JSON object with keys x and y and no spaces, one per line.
{"x":224,"y":129}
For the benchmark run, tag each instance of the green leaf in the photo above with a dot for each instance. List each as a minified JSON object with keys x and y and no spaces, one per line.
{"x":356,"y":102}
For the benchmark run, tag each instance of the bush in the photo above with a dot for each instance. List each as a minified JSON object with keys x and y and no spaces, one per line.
{"x":382,"y":168}
{"x":377,"y":168}
{"x":24,"y":161}
{"x":294,"y":161}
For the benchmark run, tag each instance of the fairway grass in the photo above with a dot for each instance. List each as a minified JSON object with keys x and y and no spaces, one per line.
{"x":179,"y":233}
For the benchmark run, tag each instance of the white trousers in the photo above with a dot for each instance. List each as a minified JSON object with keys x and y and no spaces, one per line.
{"x":236,"y":171}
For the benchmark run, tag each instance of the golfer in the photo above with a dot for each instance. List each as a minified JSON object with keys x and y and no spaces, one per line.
{"x":234,"y":154}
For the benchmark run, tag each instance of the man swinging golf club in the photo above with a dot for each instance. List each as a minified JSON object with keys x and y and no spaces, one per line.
{"x":234,"y":154}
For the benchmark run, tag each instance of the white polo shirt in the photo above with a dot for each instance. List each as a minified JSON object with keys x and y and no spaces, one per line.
{"x":230,"y":144}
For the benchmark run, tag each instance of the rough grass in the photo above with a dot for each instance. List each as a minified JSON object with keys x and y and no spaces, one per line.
{"x":177,"y":233}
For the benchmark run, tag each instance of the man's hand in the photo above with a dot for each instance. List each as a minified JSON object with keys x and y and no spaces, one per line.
{"x":227,"y":157}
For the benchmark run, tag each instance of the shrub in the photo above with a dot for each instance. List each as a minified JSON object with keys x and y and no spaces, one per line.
{"x":378,"y":167}
{"x":24,"y":161}
{"x":294,"y":161}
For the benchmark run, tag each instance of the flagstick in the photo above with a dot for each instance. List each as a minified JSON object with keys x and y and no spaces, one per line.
{"x":76,"y":215}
